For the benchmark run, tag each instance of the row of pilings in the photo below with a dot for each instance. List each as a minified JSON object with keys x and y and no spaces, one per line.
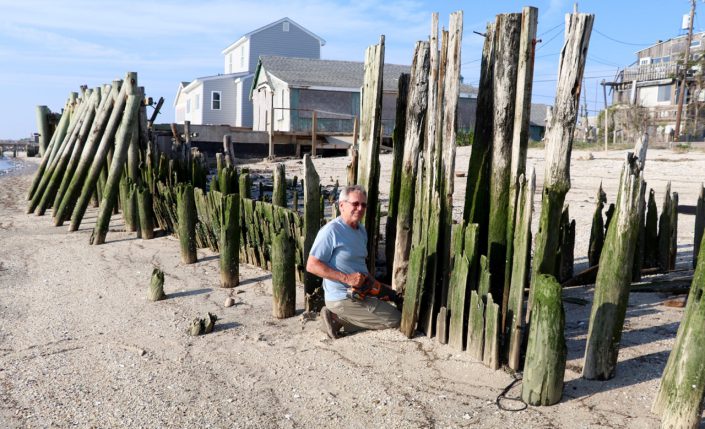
{"x":477,"y":284}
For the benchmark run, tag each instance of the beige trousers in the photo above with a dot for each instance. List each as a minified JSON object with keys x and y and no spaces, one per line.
{"x":370,"y":313}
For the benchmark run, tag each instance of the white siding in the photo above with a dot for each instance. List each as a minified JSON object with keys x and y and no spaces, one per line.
{"x":239,"y":55}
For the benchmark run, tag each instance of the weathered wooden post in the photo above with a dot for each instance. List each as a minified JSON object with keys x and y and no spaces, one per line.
{"x":228,"y":150}
{"x":312,"y":223}
{"x":673,"y":248}
{"x":156,"y":286}
{"x":507,"y":34}
{"x":229,"y":240}
{"x":370,"y":125}
{"x":283,"y":267}
{"x":665,"y":230}
{"x":546,"y":351}
{"x":245,"y":185}
{"x":101,"y":155}
{"x":187,"y":217}
{"x":43,"y":128}
{"x":520,"y":269}
{"x":597,"y":231}
{"x":89,"y":152}
{"x":520,"y":140}
{"x":680,"y":395}
{"x":122,"y":141}
{"x":566,"y":247}
{"x":145,"y":211}
{"x":414,"y":135}
{"x":651,"y":233}
{"x":279,"y":191}
{"x":559,"y":138}
{"x":614,"y":275}
{"x":395,"y":183}
{"x":699,"y":225}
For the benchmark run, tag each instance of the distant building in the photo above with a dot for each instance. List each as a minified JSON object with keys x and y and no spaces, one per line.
{"x":296,"y":87}
{"x":223,"y":99}
{"x":652,"y":81}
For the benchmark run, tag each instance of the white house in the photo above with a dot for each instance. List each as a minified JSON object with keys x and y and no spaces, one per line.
{"x":223,"y":99}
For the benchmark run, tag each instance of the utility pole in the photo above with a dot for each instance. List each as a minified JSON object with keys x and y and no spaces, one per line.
{"x":604,"y":94}
{"x":681,"y":94}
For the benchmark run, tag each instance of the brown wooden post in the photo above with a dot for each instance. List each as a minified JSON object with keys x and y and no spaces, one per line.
{"x":312,"y":223}
{"x":699,"y":224}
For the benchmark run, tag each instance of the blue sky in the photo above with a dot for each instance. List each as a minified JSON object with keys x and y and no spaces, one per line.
{"x":50,"y":48}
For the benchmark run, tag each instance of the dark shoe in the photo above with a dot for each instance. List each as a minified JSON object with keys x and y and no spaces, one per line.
{"x":329,"y":324}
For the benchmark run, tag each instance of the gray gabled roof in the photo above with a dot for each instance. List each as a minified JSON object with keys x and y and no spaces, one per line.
{"x":272,"y":24}
{"x":307,"y":72}
{"x":537,"y":115}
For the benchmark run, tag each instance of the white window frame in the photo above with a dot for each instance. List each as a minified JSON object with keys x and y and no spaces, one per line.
{"x":230,"y":61}
{"x":644,"y":61}
{"x":220,"y":100}
{"x":285,"y":26}
{"x":188,"y":105}
{"x":197,"y":102}
{"x":242,"y":56}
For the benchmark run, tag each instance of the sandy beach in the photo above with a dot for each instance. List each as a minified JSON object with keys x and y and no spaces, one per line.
{"x":81,"y":346}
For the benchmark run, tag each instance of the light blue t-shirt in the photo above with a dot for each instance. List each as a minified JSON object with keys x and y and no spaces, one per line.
{"x":342,"y":248}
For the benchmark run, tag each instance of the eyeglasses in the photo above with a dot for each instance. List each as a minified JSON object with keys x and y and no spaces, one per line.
{"x":357,"y":204}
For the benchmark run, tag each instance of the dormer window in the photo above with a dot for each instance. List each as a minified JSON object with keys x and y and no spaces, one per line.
{"x":285,"y":26}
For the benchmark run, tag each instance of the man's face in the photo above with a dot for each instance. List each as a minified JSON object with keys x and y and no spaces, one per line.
{"x":353,"y":209}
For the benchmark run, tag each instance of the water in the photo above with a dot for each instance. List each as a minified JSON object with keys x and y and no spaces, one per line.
{"x":6,"y":165}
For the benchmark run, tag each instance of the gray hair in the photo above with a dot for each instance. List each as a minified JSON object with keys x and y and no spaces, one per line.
{"x":348,"y":190}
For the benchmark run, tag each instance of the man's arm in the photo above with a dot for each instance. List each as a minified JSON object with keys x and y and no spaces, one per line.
{"x":319,"y":268}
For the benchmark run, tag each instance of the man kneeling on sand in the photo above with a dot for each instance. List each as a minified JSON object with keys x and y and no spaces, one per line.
{"x":338,"y":256}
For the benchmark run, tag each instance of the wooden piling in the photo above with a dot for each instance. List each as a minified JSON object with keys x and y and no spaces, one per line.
{"x":680,"y":394}
{"x":413,"y":137}
{"x":283,"y":269}
{"x":544,"y":366}
{"x":156,"y":286}
{"x":651,"y":233}
{"x":229,"y":240}
{"x":395,"y":182}
{"x":312,"y":223}
{"x":559,"y":138}
{"x":279,"y":191}
{"x":490,"y":356}
{"x":614,"y":275}
{"x":520,"y":270}
{"x":122,"y":142}
{"x":186,"y":213}
{"x":665,"y":231}
{"x":42,"y":116}
{"x":370,"y":126}
{"x":476,"y":327}
{"x":145,"y":211}
{"x":699,"y":224}
{"x":597,"y":231}
{"x":101,"y":154}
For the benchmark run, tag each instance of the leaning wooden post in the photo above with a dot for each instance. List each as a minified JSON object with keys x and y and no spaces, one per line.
{"x":390,"y":233}
{"x":89,"y":152}
{"x":615,"y":273}
{"x":680,"y":395}
{"x":145,"y":211}
{"x":559,"y":138}
{"x":520,"y":269}
{"x":122,"y":142}
{"x":699,"y":225}
{"x":43,"y":128}
{"x":370,"y":125}
{"x":544,"y":366}
{"x":104,"y":147}
{"x":312,"y":223}
{"x":279,"y":191}
{"x":187,"y":217}
{"x":283,"y":267}
{"x":229,"y":240}
{"x":413,"y":138}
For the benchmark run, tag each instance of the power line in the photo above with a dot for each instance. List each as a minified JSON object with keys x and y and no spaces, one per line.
{"x":549,"y":41}
{"x":620,"y":41}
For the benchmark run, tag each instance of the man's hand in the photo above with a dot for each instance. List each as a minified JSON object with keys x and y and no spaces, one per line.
{"x":355,"y":280}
